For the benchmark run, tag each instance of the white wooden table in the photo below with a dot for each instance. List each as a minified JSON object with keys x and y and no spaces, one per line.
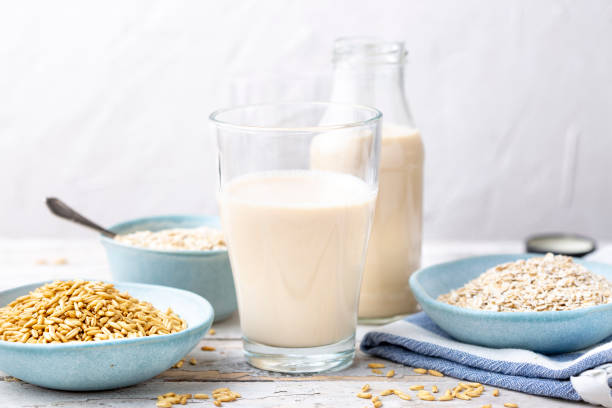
{"x":226,"y":366}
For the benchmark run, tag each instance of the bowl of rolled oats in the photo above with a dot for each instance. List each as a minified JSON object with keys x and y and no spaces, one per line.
{"x":548,"y":304}
{"x":182,"y":251}
{"x":78,"y":335}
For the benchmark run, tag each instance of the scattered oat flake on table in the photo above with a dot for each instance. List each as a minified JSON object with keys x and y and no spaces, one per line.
{"x":376,"y":365}
{"x":207,"y":348}
{"x":212,"y":332}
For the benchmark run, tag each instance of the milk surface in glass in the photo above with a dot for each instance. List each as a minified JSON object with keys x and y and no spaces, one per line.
{"x":297,"y":241}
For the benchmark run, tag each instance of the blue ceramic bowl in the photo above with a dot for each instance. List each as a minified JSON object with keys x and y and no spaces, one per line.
{"x":103,"y":365}
{"x":544,"y":332}
{"x":207,"y":273}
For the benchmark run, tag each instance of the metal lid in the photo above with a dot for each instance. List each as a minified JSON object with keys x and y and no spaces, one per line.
{"x":561,"y":244}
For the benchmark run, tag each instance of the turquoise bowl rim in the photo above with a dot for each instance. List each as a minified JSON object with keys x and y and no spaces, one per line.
{"x":421,"y":294}
{"x":104,"y":343}
{"x":141,"y":220}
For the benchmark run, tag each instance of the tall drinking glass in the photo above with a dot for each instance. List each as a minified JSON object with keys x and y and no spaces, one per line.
{"x":298,"y":189}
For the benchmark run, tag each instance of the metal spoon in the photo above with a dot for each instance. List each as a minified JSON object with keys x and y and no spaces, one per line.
{"x":60,"y":209}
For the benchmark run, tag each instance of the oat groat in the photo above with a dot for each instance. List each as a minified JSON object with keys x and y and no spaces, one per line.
{"x":79,"y":310}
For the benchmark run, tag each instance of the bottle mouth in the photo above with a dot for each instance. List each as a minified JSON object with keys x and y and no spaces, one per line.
{"x":369,"y":50}
{"x":294,"y":117}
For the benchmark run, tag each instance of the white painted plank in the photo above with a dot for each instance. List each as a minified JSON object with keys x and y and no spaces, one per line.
{"x":226,"y":367}
{"x":254,"y":394}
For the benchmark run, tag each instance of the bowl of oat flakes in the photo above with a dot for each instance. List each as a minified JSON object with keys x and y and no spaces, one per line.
{"x":548,"y":304}
{"x":181,"y":251}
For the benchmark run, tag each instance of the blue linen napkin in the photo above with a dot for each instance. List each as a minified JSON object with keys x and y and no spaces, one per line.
{"x":418,"y":342}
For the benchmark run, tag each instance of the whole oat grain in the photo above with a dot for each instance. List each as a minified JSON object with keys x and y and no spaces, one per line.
{"x":65,"y":311}
{"x":548,"y":283}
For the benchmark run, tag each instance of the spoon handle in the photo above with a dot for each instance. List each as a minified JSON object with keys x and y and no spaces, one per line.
{"x":60,"y":209}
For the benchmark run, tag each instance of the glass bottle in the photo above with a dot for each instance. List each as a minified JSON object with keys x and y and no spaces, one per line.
{"x":371,"y":72}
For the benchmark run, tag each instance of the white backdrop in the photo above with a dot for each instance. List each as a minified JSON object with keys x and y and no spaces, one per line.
{"x":105,"y":104}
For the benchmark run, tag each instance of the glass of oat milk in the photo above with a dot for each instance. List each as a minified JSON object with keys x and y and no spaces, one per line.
{"x":297,"y":235}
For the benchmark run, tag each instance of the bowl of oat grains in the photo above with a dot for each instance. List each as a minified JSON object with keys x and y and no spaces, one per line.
{"x":544,"y":303}
{"x":182,"y":251}
{"x":80,"y":335}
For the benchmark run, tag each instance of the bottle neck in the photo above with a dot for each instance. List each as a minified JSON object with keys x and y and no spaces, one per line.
{"x":373,"y":84}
